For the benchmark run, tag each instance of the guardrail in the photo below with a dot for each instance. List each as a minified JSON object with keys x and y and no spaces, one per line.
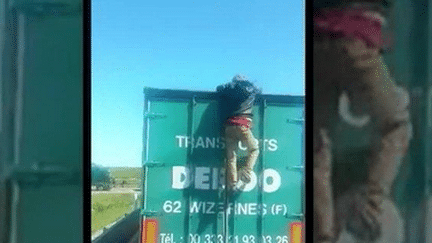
{"x":123,"y":230}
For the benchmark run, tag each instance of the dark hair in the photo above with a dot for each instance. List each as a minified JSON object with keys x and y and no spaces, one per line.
{"x":239,"y":77}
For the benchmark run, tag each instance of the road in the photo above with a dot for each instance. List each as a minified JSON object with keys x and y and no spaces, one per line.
{"x":135,"y":238}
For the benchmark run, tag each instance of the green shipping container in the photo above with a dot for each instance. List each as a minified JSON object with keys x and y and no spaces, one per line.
{"x":184,"y":200}
{"x":41,"y":121}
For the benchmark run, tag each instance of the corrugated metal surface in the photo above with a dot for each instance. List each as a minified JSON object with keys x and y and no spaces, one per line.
{"x":183,"y":169}
{"x":411,"y":63}
{"x":41,"y":121}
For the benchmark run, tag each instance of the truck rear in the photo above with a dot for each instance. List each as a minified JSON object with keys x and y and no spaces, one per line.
{"x":183,"y":188}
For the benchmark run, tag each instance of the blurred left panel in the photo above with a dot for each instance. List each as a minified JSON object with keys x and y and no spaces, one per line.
{"x":41,"y":117}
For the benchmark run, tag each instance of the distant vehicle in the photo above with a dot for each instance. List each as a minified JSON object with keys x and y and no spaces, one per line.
{"x":183,"y":195}
{"x":101,"y":178}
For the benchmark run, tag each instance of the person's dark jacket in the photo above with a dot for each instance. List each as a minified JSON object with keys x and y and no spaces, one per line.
{"x":237,"y":98}
{"x":317,"y":4}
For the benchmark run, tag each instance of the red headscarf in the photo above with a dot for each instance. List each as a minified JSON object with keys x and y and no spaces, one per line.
{"x":360,"y":23}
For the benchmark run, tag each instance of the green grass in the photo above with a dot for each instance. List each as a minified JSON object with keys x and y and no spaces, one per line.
{"x":126,"y":172}
{"x":131,"y":175}
{"x":108,"y":207}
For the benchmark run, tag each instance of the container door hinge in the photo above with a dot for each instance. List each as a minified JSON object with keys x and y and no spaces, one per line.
{"x":151,"y":214}
{"x":153,"y":116}
{"x":41,"y":173}
{"x":296,"y":121}
{"x":47,"y":8}
{"x":294,"y":216}
{"x":298,"y":167}
{"x":151,"y":164}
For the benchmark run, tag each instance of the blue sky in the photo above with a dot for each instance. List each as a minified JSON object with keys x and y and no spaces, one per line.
{"x":194,"y":45}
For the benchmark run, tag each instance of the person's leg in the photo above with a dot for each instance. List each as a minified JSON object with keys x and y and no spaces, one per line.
{"x":389,"y":109}
{"x":323,"y":194}
{"x":371,"y":83}
{"x":231,"y":156}
{"x":248,"y":139}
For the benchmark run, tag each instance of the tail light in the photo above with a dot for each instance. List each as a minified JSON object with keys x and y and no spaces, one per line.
{"x":296,"y":232}
{"x":149,"y":232}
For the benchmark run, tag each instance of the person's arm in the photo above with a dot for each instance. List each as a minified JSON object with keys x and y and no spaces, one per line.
{"x":258,"y":90}
{"x":220,"y":88}
{"x":392,"y":146}
{"x":336,"y":3}
{"x":221,"y":91}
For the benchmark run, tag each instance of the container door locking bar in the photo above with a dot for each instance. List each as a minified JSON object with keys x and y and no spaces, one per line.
{"x":296,"y":121}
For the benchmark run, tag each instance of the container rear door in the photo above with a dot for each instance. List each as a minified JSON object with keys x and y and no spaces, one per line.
{"x":183,"y":170}
{"x":163,"y":203}
{"x":184,"y":174}
{"x":265,"y":211}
